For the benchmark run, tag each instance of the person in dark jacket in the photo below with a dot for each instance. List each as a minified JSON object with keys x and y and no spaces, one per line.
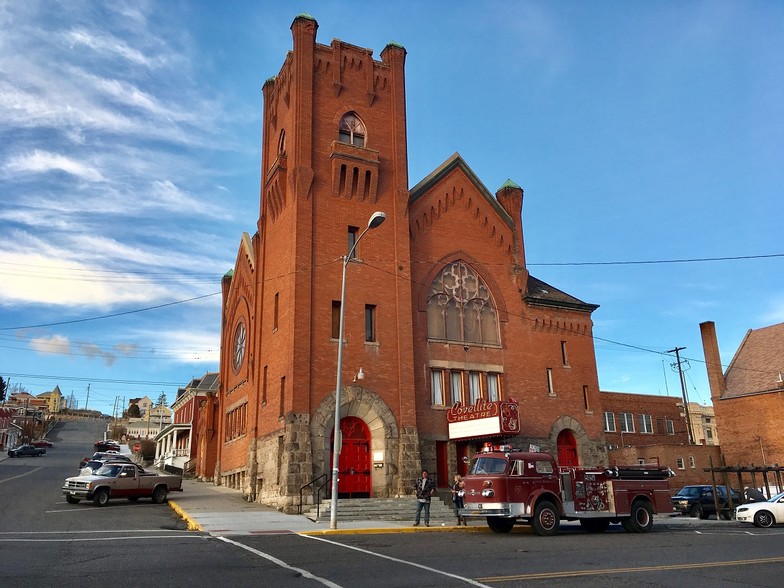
{"x":458,"y":493}
{"x":424,"y":488}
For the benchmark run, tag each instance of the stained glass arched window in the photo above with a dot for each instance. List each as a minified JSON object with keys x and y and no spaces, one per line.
{"x":352,"y":130}
{"x":460,"y":307}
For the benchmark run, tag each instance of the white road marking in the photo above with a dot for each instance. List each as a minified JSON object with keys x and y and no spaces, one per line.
{"x":82,"y":540}
{"x":395,"y":559}
{"x":281,"y":563}
{"x":21,"y":475}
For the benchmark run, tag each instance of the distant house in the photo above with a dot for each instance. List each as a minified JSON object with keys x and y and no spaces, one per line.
{"x":748,"y":396}
{"x":54,"y":399}
{"x":10,"y":433}
{"x":144,"y":404}
{"x":178,"y":443}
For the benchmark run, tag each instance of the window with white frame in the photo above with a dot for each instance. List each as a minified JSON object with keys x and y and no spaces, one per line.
{"x":493,"y":386}
{"x":646,"y":423}
{"x":550,"y":389}
{"x":609,"y":422}
{"x":679,"y":463}
{"x":670,"y":426}
{"x":627,"y":422}
{"x":456,"y":386}
{"x":692,"y":463}
{"x":474,"y":387}
{"x":437,"y":387}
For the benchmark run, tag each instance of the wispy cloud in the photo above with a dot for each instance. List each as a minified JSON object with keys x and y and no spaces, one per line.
{"x":43,"y":161}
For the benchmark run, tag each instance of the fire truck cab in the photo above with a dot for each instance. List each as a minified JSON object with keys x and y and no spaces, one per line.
{"x":507,"y":486}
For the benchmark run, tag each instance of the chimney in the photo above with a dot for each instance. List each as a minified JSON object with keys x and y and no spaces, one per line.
{"x":710,"y":347}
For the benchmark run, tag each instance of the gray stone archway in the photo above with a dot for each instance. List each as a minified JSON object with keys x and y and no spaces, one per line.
{"x":384,"y":437}
{"x":590,"y":452}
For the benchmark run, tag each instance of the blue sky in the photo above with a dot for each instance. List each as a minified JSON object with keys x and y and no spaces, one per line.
{"x":129,"y":167}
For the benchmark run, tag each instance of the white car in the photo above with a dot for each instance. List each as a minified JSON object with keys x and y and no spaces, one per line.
{"x":762,"y":514}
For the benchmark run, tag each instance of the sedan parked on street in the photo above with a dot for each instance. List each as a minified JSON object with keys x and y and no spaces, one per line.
{"x":762,"y":514}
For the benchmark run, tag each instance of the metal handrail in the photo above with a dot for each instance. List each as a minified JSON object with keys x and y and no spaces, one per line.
{"x":313,"y":488}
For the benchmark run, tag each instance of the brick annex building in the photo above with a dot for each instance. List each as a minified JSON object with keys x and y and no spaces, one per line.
{"x":440,"y":307}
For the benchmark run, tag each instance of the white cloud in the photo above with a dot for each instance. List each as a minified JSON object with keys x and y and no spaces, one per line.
{"x":109,"y":44}
{"x":54,"y":344}
{"x":43,"y":161}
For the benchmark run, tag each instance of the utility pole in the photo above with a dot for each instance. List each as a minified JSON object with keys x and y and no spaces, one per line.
{"x":88,"y":397}
{"x":677,"y":351}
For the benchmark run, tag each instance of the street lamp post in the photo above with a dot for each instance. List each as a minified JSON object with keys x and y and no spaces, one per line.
{"x":375,"y":220}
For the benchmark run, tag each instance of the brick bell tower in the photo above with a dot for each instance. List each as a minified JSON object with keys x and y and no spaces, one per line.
{"x":334,"y":152}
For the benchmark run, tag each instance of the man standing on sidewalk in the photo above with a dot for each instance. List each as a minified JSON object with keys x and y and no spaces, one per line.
{"x":424,"y":488}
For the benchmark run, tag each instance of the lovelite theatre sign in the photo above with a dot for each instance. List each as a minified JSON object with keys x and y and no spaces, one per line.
{"x":483,"y":419}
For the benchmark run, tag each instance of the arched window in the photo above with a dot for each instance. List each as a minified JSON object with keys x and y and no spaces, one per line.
{"x":282,"y":143}
{"x":352,"y":130}
{"x":460,"y":307}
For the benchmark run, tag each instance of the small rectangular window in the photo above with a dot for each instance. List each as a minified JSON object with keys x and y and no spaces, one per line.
{"x":370,"y":323}
{"x":264,"y":387}
{"x":646,"y":423}
{"x":335,"y":319}
{"x":627,"y":422}
{"x":586,"y":403}
{"x":679,"y":463}
{"x":456,"y":384}
{"x":564,"y":357}
{"x":609,"y":422}
{"x":275,"y":312}
{"x":550,"y":389}
{"x":437,"y":387}
{"x":474,"y":387}
{"x":708,"y":434}
{"x":352,"y":240}
{"x":493,"y":386}
{"x":282,"y":396}
{"x":670,"y":426}
{"x":692,"y":463}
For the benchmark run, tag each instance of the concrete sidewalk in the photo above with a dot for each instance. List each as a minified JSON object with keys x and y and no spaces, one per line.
{"x":222,"y":511}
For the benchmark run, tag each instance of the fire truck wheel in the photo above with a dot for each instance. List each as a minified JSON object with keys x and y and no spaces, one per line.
{"x":641,"y":519}
{"x":500,"y":525}
{"x":595,"y":525}
{"x":546,"y":519}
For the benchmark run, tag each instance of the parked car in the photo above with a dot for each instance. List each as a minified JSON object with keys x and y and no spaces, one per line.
{"x":42,"y":443}
{"x":697,"y":501}
{"x":26,"y":451}
{"x":103,"y":456}
{"x":762,"y":514}
{"x":105,"y":445}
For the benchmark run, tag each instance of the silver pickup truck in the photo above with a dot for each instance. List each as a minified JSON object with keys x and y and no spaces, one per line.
{"x":120,"y":480}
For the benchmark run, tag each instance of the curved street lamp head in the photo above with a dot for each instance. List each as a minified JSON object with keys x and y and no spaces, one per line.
{"x":376,"y":219}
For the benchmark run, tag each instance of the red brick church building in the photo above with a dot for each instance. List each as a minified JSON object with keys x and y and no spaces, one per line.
{"x":449,"y":342}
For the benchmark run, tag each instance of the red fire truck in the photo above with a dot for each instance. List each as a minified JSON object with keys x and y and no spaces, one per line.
{"x":507,"y":486}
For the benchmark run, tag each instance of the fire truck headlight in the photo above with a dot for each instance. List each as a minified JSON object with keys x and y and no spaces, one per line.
{"x":487,"y":483}
{"x":488,"y":493}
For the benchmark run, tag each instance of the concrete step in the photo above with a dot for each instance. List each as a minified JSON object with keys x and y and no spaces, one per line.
{"x":381,"y":509}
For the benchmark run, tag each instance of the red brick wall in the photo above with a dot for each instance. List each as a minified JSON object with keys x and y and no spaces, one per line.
{"x":659,"y":407}
{"x":750,"y":426}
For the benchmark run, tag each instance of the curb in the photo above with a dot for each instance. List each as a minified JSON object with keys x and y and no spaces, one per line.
{"x":192,"y":524}
{"x":393,"y":530}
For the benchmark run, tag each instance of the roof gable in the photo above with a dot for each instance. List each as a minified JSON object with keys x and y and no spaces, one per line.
{"x":758,"y":365}
{"x":443,"y":170}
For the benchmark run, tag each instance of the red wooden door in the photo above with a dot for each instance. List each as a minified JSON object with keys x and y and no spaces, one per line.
{"x":354,"y":460}
{"x":567,"y":449}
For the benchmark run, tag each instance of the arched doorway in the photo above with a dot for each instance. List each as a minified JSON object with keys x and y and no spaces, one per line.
{"x":567,"y":449}
{"x":354,"y":461}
